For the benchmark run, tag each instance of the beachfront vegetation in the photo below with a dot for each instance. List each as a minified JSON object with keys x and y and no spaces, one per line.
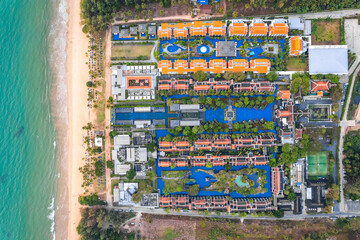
{"x":95,"y":224}
{"x":300,"y":82}
{"x":352,"y":164}
{"x":91,"y":200}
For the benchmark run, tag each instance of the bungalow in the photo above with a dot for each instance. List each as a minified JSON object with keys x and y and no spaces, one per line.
{"x":152,"y":31}
{"x":133,"y":31}
{"x":142,"y":30}
{"x":124,"y":33}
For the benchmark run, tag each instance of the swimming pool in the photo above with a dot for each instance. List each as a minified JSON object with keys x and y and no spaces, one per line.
{"x":173,"y":48}
{"x":203,"y":49}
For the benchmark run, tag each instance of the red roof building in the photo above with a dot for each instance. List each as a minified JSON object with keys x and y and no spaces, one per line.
{"x":277,"y":181}
{"x":287,"y":114}
{"x":322,"y":85}
{"x":284,"y":94}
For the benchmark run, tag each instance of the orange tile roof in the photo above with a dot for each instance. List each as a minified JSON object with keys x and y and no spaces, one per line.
{"x":260,"y":65}
{"x":221,"y":87}
{"x":182,"y":144}
{"x":164,"y":87}
{"x":142,"y":82}
{"x":201,"y":87}
{"x":222,"y":141}
{"x":165,"y":144}
{"x":203,"y":142}
{"x":320,"y":86}
{"x":238,"y":29}
{"x":258,"y":29}
{"x":284,"y":94}
{"x":279,"y":29}
{"x":296,"y":46}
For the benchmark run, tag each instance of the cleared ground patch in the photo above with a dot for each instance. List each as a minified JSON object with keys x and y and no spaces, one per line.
{"x":325,"y":32}
{"x":189,"y":228}
{"x":131,"y":51}
{"x":297,"y":64}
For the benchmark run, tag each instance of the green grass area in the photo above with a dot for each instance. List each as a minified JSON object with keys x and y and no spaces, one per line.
{"x":173,"y":174}
{"x":131,"y":51}
{"x":296,"y":64}
{"x":169,"y":234}
{"x":318,"y":165}
{"x":326,"y":31}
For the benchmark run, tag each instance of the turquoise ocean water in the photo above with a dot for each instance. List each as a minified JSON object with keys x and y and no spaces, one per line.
{"x":28,"y":152}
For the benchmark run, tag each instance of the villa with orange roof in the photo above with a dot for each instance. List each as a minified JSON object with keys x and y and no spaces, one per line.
{"x":260,"y":65}
{"x":165,"y":146}
{"x":216,"y":28}
{"x":238,"y":29}
{"x":164,"y":30}
{"x":244,"y":204}
{"x":278,"y":27}
{"x":198,"y":28}
{"x":214,"y":66}
{"x":296,"y":46}
{"x":174,"y":201}
{"x":277,"y":181}
{"x":258,"y":28}
{"x":238,"y":65}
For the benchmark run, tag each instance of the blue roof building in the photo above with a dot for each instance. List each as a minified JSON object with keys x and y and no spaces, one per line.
{"x":203,"y":2}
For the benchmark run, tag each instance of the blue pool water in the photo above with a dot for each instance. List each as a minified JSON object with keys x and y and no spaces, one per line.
{"x":142,"y":34}
{"x":116,"y":37}
{"x":257,"y":50}
{"x":242,"y":114}
{"x":146,"y":116}
{"x":173,"y":48}
{"x":240,"y":183}
{"x":203,"y":49}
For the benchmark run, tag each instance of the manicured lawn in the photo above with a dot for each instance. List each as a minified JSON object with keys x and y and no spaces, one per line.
{"x":325,"y":32}
{"x":131,"y":51}
{"x":297,"y":64}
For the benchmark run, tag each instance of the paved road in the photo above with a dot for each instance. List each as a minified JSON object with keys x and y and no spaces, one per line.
{"x":224,"y":215}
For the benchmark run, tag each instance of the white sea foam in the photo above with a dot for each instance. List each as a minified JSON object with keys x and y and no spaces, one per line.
{"x":57,"y":58}
{"x":51,"y":216}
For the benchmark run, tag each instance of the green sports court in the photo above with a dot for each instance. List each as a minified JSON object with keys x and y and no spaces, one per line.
{"x":318,"y":164}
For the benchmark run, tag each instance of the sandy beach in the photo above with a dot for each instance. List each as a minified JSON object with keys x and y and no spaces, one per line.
{"x":79,"y":115}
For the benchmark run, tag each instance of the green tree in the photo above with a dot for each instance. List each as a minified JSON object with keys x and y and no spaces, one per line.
{"x":272,"y":76}
{"x":91,"y":200}
{"x":110,"y":164}
{"x":270,"y":99}
{"x":130,"y":174}
{"x":200,"y":76}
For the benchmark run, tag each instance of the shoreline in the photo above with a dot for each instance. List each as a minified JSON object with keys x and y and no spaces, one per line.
{"x":79,"y":115}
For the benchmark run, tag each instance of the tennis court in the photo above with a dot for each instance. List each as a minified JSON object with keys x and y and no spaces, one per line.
{"x":318,"y":165}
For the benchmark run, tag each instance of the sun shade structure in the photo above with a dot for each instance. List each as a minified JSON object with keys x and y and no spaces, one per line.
{"x":328,"y":59}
